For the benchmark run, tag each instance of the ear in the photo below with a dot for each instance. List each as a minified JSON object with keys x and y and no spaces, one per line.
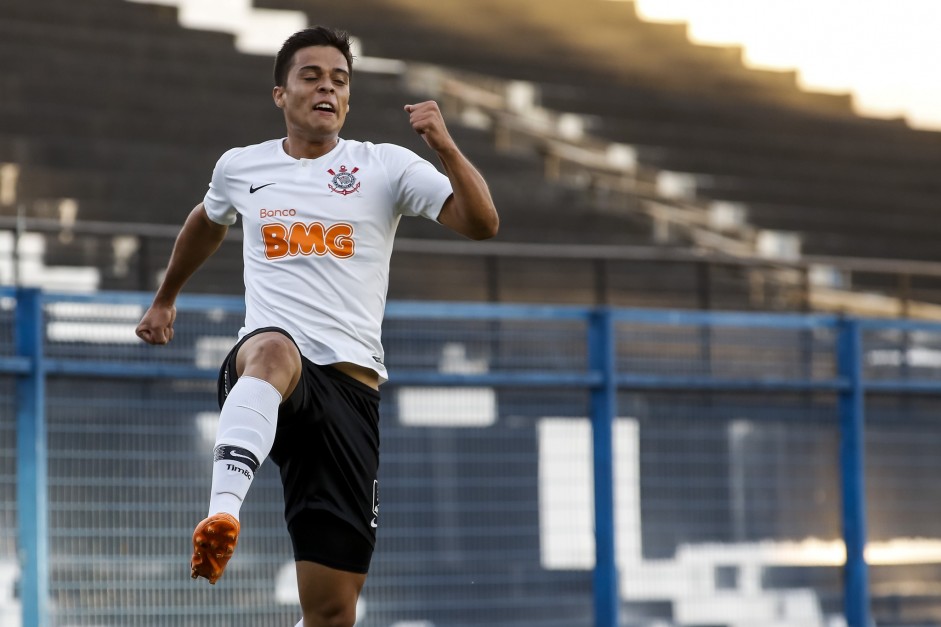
{"x":277,"y":93}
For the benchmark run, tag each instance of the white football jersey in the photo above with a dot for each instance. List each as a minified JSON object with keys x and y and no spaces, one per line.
{"x":318,"y":238}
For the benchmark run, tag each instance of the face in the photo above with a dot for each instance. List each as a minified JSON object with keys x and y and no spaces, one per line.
{"x":316,"y":94}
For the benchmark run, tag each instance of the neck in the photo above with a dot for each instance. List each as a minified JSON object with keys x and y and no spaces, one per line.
{"x":309,"y":148}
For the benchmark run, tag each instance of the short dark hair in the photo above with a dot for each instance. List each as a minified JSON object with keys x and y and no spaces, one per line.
{"x":314,"y":36}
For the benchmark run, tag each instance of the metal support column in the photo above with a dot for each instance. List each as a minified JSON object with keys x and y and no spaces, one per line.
{"x":602,"y":350}
{"x":31,"y":483}
{"x":852,"y":467}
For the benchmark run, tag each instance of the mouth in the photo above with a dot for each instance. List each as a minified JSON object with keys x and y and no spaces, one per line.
{"x":325,"y":107}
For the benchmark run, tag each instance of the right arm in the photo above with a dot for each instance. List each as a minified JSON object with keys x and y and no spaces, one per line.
{"x":199,"y":238}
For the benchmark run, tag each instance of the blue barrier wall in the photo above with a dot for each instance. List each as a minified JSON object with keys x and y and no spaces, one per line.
{"x":553,"y":466}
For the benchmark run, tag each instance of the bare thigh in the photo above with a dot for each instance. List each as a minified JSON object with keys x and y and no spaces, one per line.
{"x":273,"y":357}
{"x":328,"y":596}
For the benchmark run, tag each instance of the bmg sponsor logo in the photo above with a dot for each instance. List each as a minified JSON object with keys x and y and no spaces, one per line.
{"x":314,"y":238}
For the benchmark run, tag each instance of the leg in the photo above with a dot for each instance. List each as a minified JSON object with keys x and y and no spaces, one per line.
{"x":268,"y":367}
{"x":332,"y":559}
{"x":331,"y":464}
{"x":328,"y":596}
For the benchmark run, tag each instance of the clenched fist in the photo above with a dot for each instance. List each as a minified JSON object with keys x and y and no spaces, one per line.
{"x":427,"y":121}
{"x":156,"y":327}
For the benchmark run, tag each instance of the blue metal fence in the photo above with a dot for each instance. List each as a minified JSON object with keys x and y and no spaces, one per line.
{"x":541,"y":466}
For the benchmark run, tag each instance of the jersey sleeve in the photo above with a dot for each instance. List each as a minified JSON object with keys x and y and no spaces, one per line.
{"x":418,"y":188}
{"x":217,"y":203}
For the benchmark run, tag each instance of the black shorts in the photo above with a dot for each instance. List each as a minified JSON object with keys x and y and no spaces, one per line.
{"x":327,"y":449}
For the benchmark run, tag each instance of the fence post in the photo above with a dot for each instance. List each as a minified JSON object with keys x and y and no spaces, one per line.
{"x":31,"y":481}
{"x":852,"y":470}
{"x":602,"y":349}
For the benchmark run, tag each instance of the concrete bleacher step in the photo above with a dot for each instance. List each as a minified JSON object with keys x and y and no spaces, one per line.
{"x":94,"y":190}
{"x":91,"y":122}
{"x":838,"y":244}
{"x":70,"y":151}
{"x":168,"y":46}
{"x":676,"y":123}
{"x":94,"y":14}
{"x":789,"y":140}
{"x":128,"y":61}
{"x":830,"y":197}
{"x":854,"y":219}
{"x":631,"y":283}
{"x":751,"y":168}
{"x":131,"y":72}
{"x":618,"y":108}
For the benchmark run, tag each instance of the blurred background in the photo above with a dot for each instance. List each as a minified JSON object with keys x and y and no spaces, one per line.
{"x":650,"y":155}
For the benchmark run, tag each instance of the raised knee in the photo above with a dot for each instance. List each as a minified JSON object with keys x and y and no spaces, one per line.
{"x":269,"y":347}
{"x":272,"y":357}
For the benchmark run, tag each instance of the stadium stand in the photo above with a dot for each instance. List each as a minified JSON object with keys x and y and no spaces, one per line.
{"x":801,"y":161}
{"x":118,"y":109}
{"x":114,"y":105}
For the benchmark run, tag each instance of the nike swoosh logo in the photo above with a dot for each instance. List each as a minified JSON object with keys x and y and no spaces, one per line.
{"x":234,"y":454}
{"x":252,"y":189}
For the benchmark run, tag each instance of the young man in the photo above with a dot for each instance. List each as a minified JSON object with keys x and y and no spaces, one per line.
{"x":319,"y":215}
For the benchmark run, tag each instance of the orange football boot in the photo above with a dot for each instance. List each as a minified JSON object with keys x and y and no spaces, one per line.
{"x":214,"y":542}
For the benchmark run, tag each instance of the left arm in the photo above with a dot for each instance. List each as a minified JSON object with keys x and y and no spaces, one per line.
{"x":469,"y":210}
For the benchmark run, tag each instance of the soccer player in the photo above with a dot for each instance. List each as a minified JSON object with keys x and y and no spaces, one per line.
{"x":300,"y":386}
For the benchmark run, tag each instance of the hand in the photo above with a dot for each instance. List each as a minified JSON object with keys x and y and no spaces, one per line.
{"x":426,"y":119}
{"x":156,"y":327}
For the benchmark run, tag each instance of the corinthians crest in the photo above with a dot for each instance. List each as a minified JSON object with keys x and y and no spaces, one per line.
{"x":343,"y":181}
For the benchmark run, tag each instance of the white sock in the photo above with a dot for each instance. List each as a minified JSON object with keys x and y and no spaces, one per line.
{"x":246,"y":432}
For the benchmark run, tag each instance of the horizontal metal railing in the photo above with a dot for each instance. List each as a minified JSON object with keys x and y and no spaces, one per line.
{"x":902,"y":288}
